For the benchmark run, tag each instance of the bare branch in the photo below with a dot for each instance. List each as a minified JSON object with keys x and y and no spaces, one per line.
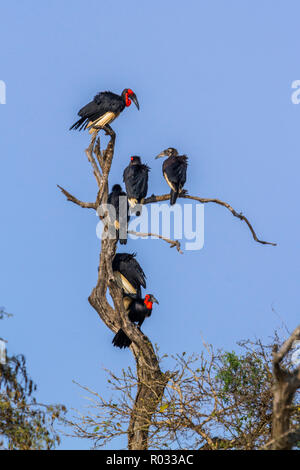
{"x":86,"y":205}
{"x":106,"y":162}
{"x":290,"y":437}
{"x":173,"y":243}
{"x":98,"y":153}
{"x":287,"y":345}
{"x":91,"y":159}
{"x":286,"y":383}
{"x":166,"y":197}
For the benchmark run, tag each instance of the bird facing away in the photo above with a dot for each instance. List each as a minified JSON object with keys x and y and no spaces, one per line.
{"x":135,"y":177}
{"x":120,"y":217}
{"x":137,"y":310}
{"x":174,"y":171}
{"x":128,"y":274}
{"x":105,"y":107}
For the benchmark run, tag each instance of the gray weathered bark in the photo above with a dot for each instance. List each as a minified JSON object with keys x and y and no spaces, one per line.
{"x":151,"y":380}
{"x":285,"y":386}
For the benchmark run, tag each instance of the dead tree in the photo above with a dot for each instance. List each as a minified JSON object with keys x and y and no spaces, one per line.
{"x":151,"y":380}
{"x":286,"y":382}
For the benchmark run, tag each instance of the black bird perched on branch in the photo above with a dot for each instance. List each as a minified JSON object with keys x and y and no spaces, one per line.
{"x":128,"y":274}
{"x":135,"y":177}
{"x":137,"y":310}
{"x":105,"y":107}
{"x":119,"y":217}
{"x":174,"y":171}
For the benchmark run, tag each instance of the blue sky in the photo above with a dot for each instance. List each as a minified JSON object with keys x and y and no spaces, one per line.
{"x":213,"y":79}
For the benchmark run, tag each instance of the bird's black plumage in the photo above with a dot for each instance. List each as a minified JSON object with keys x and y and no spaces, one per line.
{"x":128,"y":273}
{"x":174,"y":171}
{"x":120,"y":217}
{"x":137,"y":310}
{"x":104,"y":104}
{"x":135,"y":177}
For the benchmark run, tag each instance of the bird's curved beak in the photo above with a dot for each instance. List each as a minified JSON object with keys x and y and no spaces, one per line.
{"x":154,"y":300}
{"x":161,"y":154}
{"x":135,"y":100}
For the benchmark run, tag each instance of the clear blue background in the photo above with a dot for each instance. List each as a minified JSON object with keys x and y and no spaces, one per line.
{"x":214,"y":80}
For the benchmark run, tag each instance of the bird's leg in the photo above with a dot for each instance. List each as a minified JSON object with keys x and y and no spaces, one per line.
{"x":183,"y":192}
{"x":95,"y":130}
{"x":109,"y":131}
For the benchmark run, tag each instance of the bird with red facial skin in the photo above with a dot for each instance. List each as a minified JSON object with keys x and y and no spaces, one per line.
{"x":137,"y":310}
{"x":105,"y":108}
{"x":135,"y":177}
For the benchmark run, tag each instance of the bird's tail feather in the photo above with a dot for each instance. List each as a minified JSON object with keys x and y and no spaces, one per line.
{"x":121,"y":340}
{"x":78,"y":124}
{"x":123,"y":241}
{"x":173,"y":198}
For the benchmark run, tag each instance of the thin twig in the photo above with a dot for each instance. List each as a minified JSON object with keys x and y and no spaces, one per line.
{"x":173,"y":243}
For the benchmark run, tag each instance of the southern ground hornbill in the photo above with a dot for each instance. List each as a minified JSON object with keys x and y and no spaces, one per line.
{"x":135,"y":177}
{"x":137,"y":310}
{"x":105,"y":107}
{"x":174,"y":171}
{"x":119,"y":218}
{"x":128,"y":274}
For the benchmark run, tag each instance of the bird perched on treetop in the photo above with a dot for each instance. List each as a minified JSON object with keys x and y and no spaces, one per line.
{"x":128,"y":273}
{"x":137,"y":310}
{"x":135,"y":177}
{"x":174,"y":171}
{"x":105,"y":107}
{"x":120,"y":216}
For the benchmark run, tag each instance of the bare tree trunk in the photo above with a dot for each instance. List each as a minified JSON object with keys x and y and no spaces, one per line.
{"x":285,"y":386}
{"x":283,"y":397}
{"x":151,"y":385}
{"x":151,"y":381}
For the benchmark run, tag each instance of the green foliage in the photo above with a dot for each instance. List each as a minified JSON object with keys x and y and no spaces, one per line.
{"x":212,"y":400}
{"x":245,"y":374}
{"x":24,"y":423}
